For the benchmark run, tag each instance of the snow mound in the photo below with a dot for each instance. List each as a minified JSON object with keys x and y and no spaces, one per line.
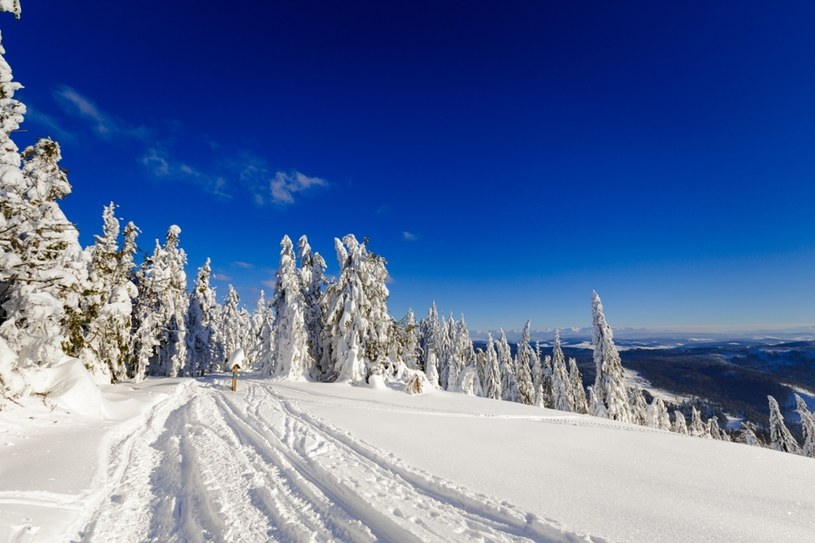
{"x":68,"y":386}
{"x":237,"y":357}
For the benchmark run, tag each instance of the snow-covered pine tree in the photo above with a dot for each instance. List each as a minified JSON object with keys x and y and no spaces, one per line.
{"x":609,"y":384}
{"x":257,"y":320}
{"x":780,"y":437}
{"x":147,"y":321}
{"x":697,"y":426}
{"x":537,"y":377}
{"x":715,"y":431}
{"x":160,"y":346}
{"x":232,"y":326}
{"x":509,"y":382}
{"x":680,"y":424}
{"x":492,"y":372}
{"x":446,"y":349}
{"x":292,"y":356}
{"x":657,"y":415}
{"x":428,"y":341}
{"x":561,"y":385}
{"x":639,"y":407}
{"x":172,"y":352}
{"x":523,"y":364}
{"x":357,"y":324}
{"x":411,"y":351}
{"x":201,"y":322}
{"x":581,"y":404}
{"x":463,"y":357}
{"x":108,"y":300}
{"x":43,"y":269}
{"x":807,"y":427}
{"x":264,"y":357}
{"x":12,"y":111}
{"x":547,"y":383}
{"x":312,"y":276}
{"x":748,"y":434}
{"x":596,"y":407}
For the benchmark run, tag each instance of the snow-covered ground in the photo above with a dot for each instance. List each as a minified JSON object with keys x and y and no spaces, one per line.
{"x":189,"y":460}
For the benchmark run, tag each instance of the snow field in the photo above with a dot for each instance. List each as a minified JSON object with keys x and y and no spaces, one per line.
{"x":188,"y":460}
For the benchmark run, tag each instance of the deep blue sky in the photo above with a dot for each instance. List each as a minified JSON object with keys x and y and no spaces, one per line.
{"x":505,"y":157}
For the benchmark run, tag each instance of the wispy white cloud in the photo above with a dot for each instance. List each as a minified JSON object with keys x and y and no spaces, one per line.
{"x":222,"y":277}
{"x":409,"y":236}
{"x":51,"y":124}
{"x":161,"y":165}
{"x":285,"y":185}
{"x":155,"y":148}
{"x":156,"y":163}
{"x":103,"y":124}
{"x":243,"y":265}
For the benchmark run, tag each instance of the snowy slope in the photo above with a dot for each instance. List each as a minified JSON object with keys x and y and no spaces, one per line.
{"x":185,"y":460}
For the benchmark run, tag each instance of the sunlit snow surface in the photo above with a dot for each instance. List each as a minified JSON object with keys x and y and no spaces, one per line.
{"x":187,"y":460}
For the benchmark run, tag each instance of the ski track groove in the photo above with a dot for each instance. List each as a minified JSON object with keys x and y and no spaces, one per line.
{"x":211,"y":465}
{"x":476,"y":516}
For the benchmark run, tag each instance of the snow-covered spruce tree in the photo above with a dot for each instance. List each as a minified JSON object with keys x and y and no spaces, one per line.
{"x":547,"y":385}
{"x":411,"y":350}
{"x":312,"y":277}
{"x":463,"y":358}
{"x":292,"y":356}
{"x":161,"y":311}
{"x":807,"y":427}
{"x":357,"y":324}
{"x":715,"y":431}
{"x":509,"y":382}
{"x":596,"y":407}
{"x":43,"y":270}
{"x":492,"y":372}
{"x":697,"y":426}
{"x":581,"y":404}
{"x":524,"y":360}
{"x":257,"y":320}
{"x":748,"y":434}
{"x":446,"y":351}
{"x":264,"y":356}
{"x":12,"y":383}
{"x":680,"y":424}
{"x":172,"y":352}
{"x":107,"y":303}
{"x":200,"y":322}
{"x":657,"y":415}
{"x":232,"y":327}
{"x":609,"y":385}
{"x":561,"y":385}
{"x":537,"y":377}
{"x":428,"y":341}
{"x":780,"y":437}
{"x":639,"y":407}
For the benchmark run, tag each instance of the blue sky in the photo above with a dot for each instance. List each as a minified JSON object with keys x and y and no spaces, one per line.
{"x":505,"y":159}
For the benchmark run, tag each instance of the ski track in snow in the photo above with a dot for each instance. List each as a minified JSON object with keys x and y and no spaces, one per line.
{"x":212,"y":465}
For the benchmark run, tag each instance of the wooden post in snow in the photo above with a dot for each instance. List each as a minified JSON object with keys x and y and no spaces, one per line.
{"x":235,"y":369}
{"x":235,"y":360}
